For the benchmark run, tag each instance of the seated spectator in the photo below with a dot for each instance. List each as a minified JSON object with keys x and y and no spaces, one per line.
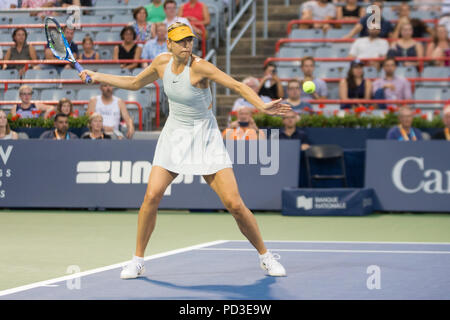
{"x":355,"y":86}
{"x":244,"y":128}
{"x":8,"y":4}
{"x":420,"y":28}
{"x":350,"y":11}
{"x":155,"y":11}
{"x":444,"y":134}
{"x":144,"y":30}
{"x":39,"y":4}
{"x":291,"y":131}
{"x":65,"y":106}
{"x":270,"y":85}
{"x":69,"y":34}
{"x":27,"y":109}
{"x":428,"y":5}
{"x":61,"y":131}
{"x":80,"y":3}
{"x":363,"y":28}
{"x":406,"y":46}
{"x":21,"y":50}
{"x":112,"y":110}
{"x":88,"y":49}
{"x":170,"y":9}
{"x":5,"y":131}
{"x":293,"y":96}
{"x":308,"y":66}
{"x":128,"y":49}
{"x":370,"y":47}
{"x":404,"y":131}
{"x":95,"y":126}
{"x":253,"y":83}
{"x":440,"y":46}
{"x":198,"y":15}
{"x":318,"y":10}
{"x":391,"y":87}
{"x":155,"y":46}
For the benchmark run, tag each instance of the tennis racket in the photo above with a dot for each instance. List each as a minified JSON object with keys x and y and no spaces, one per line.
{"x":57,"y":42}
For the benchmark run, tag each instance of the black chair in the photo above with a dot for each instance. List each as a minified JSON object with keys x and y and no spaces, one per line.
{"x":325,"y":152}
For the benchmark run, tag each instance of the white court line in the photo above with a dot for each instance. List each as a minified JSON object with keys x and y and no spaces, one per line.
{"x":329,"y":251}
{"x":363,"y":242}
{"x":48,"y":283}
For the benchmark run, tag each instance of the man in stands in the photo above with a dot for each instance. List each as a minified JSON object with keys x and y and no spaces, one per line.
{"x":154,"y":47}
{"x":61,"y":131}
{"x":444,"y":134}
{"x":244,"y":128}
{"x":370,"y":47}
{"x":308,"y":66}
{"x":318,"y":10}
{"x":112,"y":110}
{"x":291,"y":131}
{"x":404,"y":131}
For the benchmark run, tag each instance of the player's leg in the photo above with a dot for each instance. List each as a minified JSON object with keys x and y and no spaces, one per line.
{"x":224,"y":184}
{"x":158,"y":181}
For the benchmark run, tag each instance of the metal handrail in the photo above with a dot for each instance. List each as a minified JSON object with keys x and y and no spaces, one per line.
{"x":212,"y":55}
{"x":230,"y":45}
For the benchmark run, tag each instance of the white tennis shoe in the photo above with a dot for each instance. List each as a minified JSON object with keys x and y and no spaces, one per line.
{"x":132,"y":270}
{"x":270,"y":264}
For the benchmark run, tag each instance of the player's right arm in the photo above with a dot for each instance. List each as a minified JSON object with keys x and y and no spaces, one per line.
{"x":147,"y":76}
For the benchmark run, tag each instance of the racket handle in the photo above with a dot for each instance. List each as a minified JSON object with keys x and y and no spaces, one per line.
{"x":79,"y":69}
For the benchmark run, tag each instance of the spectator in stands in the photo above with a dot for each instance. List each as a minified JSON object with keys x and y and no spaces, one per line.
{"x":293,"y":96}
{"x":363,"y":28}
{"x":61,"y":131}
{"x":406,"y":46}
{"x":80,"y":3}
{"x":428,"y":5}
{"x":291,"y":131}
{"x":88,"y":49}
{"x":65,"y":106}
{"x":270,"y":85}
{"x":444,"y":134}
{"x":155,"y":11}
{"x":318,"y":10}
{"x":8,"y":4}
{"x":420,"y":28}
{"x":170,"y":8}
{"x":69,"y":33}
{"x":370,"y":47}
{"x":244,"y":128}
{"x":308,"y":66}
{"x":112,"y":109}
{"x":198,"y":15}
{"x":404,"y":131}
{"x":128,"y":49}
{"x":5,"y":131}
{"x":39,"y":4}
{"x":355,"y":86}
{"x":144,"y":30}
{"x":440,"y":46}
{"x":391,"y":87}
{"x":27,"y":109}
{"x":21,"y":50}
{"x":253,"y":83}
{"x":95,"y":126}
{"x":350,"y":11}
{"x":155,"y":46}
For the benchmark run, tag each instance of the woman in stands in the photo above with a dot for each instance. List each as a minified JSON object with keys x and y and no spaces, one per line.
{"x":5,"y":131}
{"x":191,"y":122}
{"x":88,"y":49}
{"x":197,"y":13}
{"x":95,"y":126}
{"x":350,"y":11}
{"x":354,"y":86}
{"x":128,"y":49}
{"x":21,"y":50}
{"x":65,"y":106}
{"x":406,"y":46}
{"x":144,"y":30}
{"x":27,"y":109}
{"x":440,"y":46}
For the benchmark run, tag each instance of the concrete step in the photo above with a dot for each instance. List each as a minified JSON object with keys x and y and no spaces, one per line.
{"x":275,"y":28}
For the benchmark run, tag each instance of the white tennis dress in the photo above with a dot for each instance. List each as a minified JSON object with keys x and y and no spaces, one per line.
{"x":190,"y":142}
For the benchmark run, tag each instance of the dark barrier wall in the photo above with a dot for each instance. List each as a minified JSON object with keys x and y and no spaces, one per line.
{"x":409,"y":176}
{"x":114,"y":174}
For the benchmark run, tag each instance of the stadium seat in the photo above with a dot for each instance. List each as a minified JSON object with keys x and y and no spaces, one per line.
{"x":142,"y":96}
{"x":108,"y":36}
{"x":13,"y":95}
{"x":285,"y":72}
{"x":56,"y":95}
{"x":429,"y":94}
{"x":42,"y":75}
{"x":24,"y":19}
{"x":445,"y":94}
{"x":10,"y":74}
{"x":405,"y":72}
{"x":435,"y":72}
{"x":79,"y":35}
{"x":5,"y":37}
{"x":137,"y":3}
{"x":105,"y":54}
{"x":5,"y":20}
{"x":370,"y":72}
{"x":306,"y":34}
{"x":70,"y":74}
{"x":114,"y":71}
{"x":336,"y":33}
{"x":136,"y":71}
{"x":87,"y":94}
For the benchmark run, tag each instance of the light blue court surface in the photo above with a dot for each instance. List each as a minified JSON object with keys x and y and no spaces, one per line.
{"x":229,"y":270}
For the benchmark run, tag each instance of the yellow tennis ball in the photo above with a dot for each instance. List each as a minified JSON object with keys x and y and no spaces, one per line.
{"x":309,"y":87}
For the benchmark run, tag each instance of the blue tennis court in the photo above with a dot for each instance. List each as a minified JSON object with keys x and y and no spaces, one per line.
{"x":229,"y":270}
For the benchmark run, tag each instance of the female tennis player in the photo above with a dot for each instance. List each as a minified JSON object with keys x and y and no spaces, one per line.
{"x":191,"y":125}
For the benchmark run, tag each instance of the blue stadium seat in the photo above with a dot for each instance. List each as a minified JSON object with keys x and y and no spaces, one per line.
{"x":435,"y":72}
{"x":10,"y":74}
{"x":87,"y":94}
{"x":137,"y":3}
{"x":108,"y":36}
{"x":57,"y":94}
{"x":306,"y":34}
{"x":105,"y":54}
{"x":115,"y":71}
{"x":143,"y":96}
{"x":429,"y":94}
{"x":13,"y":95}
{"x":370,"y":72}
{"x":42,"y":74}
{"x":284,"y":72}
